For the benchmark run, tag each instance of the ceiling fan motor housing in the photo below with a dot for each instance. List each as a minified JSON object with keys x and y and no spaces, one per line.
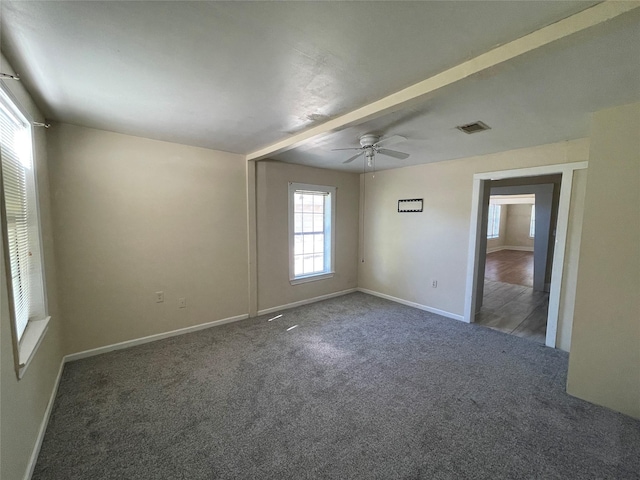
{"x":368,"y":140}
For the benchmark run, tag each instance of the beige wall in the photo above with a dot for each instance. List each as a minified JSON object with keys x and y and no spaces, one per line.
{"x":514,"y":228}
{"x":23,"y":403}
{"x":134,"y":216}
{"x":272,"y":182}
{"x":518,"y":223}
{"x":604,"y":366}
{"x":404,"y":252}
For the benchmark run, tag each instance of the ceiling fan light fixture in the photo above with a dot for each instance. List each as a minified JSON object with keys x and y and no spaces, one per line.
{"x":474,"y":127}
{"x":372,"y":144}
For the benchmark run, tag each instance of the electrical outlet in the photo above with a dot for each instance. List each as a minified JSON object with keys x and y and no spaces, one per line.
{"x":182,"y":302}
{"x":159,"y":297}
{"x":434,"y":283}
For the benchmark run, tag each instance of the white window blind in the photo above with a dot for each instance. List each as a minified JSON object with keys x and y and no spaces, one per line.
{"x":22,"y":232}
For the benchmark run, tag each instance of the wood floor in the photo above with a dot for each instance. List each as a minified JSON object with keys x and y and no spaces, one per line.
{"x":510,"y":266}
{"x":509,"y":303}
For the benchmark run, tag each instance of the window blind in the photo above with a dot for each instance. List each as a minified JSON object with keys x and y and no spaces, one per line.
{"x":22,"y":235}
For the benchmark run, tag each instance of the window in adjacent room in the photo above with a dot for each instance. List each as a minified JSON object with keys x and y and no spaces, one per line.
{"x":21,"y":234}
{"x":311,"y":232}
{"x":493,"y":227}
{"x":532,"y":224}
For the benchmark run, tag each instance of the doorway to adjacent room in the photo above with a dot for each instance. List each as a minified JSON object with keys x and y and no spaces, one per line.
{"x":552,"y":280}
{"x":517,"y":260}
{"x":510,"y":303}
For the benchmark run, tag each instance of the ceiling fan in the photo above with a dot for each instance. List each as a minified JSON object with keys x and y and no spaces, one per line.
{"x":371,"y":144}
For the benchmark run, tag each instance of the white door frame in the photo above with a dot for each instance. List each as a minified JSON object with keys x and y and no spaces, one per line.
{"x":566,"y":170}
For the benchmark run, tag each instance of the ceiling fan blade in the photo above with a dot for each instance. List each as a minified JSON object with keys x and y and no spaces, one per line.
{"x":392,"y":140}
{"x":349,"y":160}
{"x":340,"y":149}
{"x":393,"y":153}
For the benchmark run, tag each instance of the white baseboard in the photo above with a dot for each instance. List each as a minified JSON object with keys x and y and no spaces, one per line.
{"x":518,"y":248}
{"x":419,"y":306}
{"x":509,"y":247}
{"x":306,"y":302}
{"x":151,"y":338}
{"x":43,"y":425}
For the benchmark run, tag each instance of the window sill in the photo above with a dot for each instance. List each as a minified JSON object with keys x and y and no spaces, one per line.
{"x":311,"y":278}
{"x":31,"y":340}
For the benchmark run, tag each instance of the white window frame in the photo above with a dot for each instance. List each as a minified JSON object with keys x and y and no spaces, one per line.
{"x":532,"y":223}
{"x":493,"y":223}
{"x":329,"y":229}
{"x":25,"y":344}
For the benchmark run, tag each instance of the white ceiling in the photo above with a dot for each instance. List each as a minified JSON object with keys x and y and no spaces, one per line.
{"x":236,"y":76}
{"x":542,"y":97}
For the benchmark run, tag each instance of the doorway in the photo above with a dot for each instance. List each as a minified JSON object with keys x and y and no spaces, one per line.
{"x":509,"y":301}
{"x":478,"y":240}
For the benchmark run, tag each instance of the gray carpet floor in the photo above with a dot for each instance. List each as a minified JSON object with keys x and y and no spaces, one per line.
{"x":362,"y":388}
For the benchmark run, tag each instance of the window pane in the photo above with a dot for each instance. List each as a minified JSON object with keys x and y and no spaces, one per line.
{"x":297,"y":222}
{"x":308,"y":264}
{"x":297,"y":245}
{"x":307,"y":222}
{"x":318,"y":243}
{"x":297,"y":269}
{"x":493,"y":221}
{"x":318,"y":223}
{"x":308,"y":243}
{"x":318,"y":204}
{"x":318,"y":263}
{"x":307,"y":203}
{"x":310,"y":228}
{"x":532,"y":225}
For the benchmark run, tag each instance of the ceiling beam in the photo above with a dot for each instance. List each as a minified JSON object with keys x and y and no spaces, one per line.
{"x":563,"y":28}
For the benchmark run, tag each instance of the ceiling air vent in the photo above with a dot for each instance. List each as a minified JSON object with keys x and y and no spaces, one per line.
{"x":474,"y":127}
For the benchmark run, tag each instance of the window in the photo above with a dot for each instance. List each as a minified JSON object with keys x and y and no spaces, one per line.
{"x":532,"y":225}
{"x":493,"y":226}
{"x":21,"y":234}
{"x":311,"y":232}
